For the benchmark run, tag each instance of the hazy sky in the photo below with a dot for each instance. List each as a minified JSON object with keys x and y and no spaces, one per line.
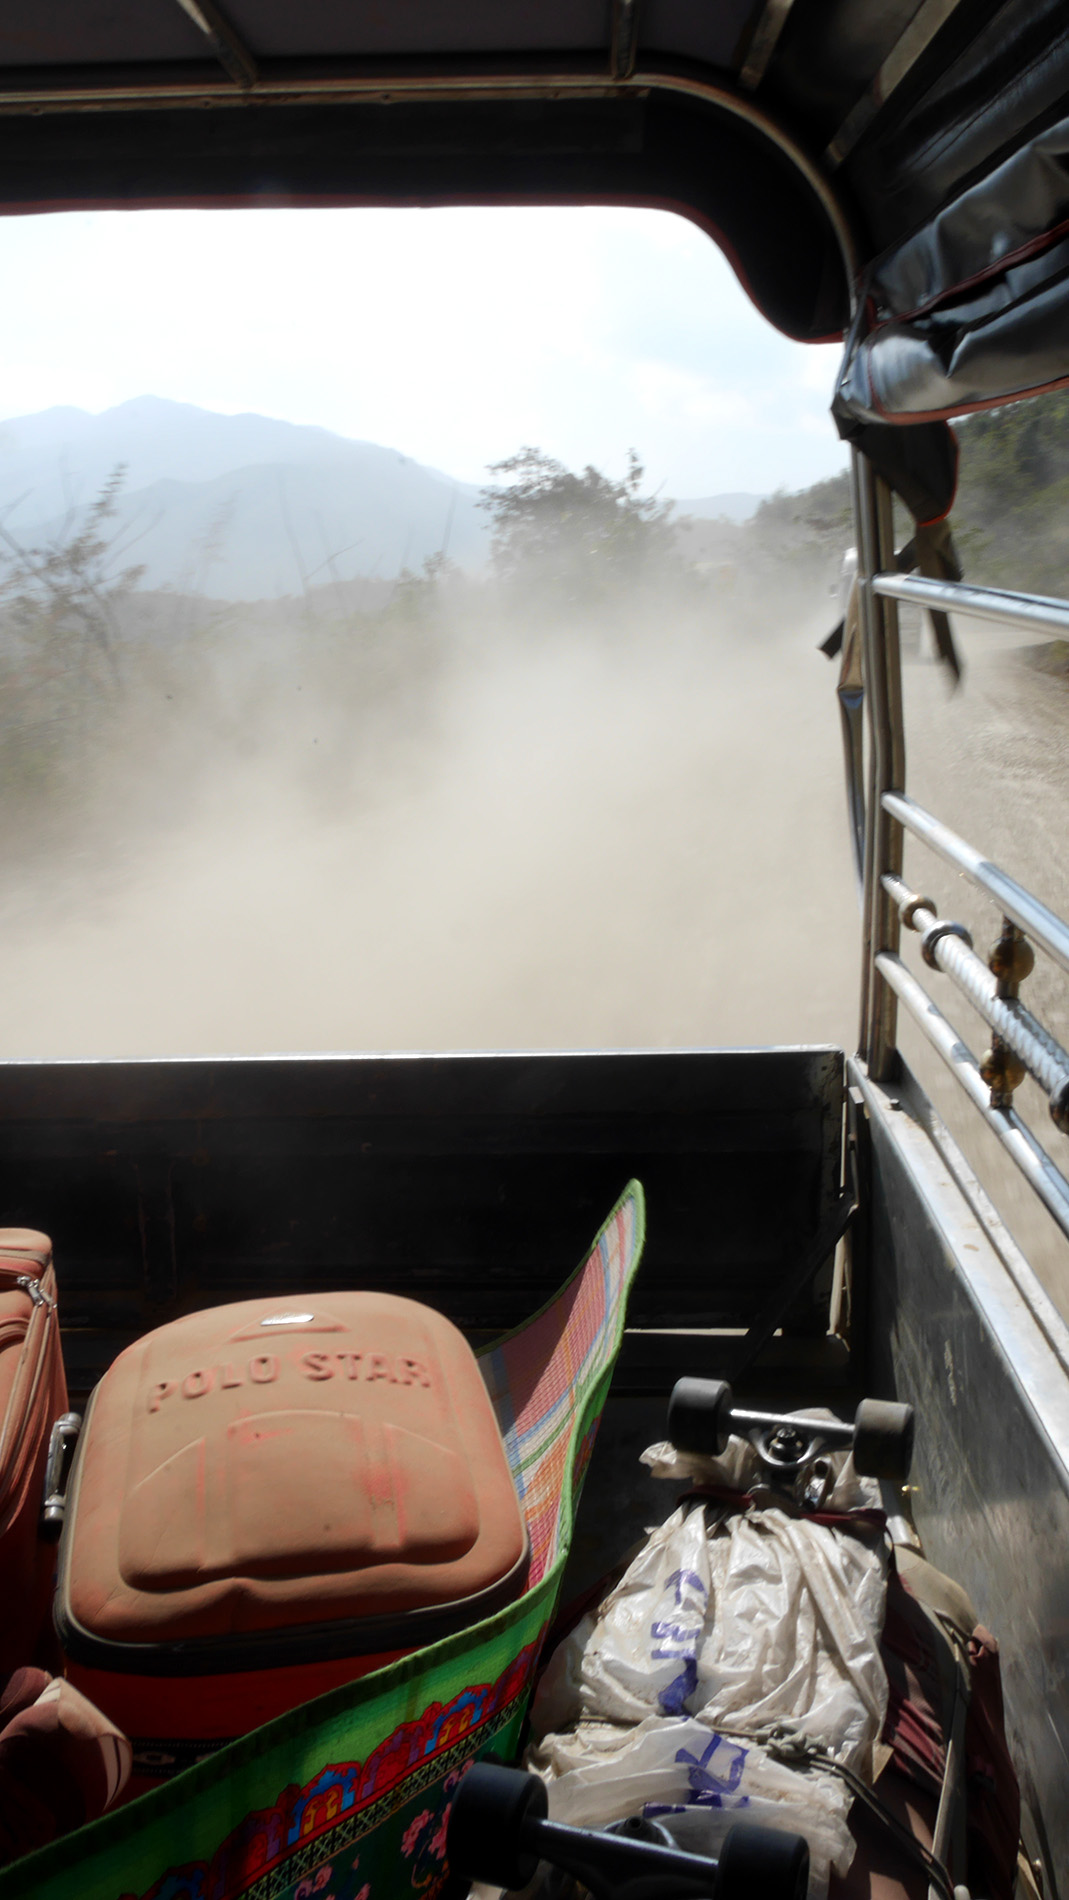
{"x":454,"y":335}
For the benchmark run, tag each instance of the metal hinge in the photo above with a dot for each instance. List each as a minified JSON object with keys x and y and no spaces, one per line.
{"x":61,"y":1446}
{"x":35,"y":1290}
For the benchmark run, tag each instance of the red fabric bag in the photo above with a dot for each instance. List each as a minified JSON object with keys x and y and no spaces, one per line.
{"x":33,"y":1395}
{"x":918,"y":1659}
{"x":61,"y":1762}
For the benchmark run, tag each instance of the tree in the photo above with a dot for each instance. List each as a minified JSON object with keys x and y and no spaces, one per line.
{"x":63,"y":598}
{"x":575,"y":539}
{"x":61,"y":616}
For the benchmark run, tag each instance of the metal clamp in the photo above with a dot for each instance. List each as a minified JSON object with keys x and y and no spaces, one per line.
{"x":61,"y":1443}
{"x":910,"y":907}
{"x":942,"y":928}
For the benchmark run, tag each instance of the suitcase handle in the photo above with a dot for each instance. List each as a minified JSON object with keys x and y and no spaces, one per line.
{"x":61,"y":1443}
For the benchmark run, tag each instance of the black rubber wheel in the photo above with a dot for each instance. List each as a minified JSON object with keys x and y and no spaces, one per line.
{"x":883,"y":1439}
{"x":699,"y":1415}
{"x":761,"y":1863}
{"x":486,"y":1820}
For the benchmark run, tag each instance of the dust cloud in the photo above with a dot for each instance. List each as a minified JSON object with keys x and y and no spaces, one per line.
{"x":431,"y":828}
{"x":304,"y":838}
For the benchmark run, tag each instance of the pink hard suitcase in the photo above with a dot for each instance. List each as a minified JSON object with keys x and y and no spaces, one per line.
{"x":273,"y":1498}
{"x":33,"y":1399}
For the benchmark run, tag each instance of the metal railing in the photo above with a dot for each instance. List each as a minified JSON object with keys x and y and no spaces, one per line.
{"x":882,"y":676}
{"x":1030,"y":612}
{"x":1020,"y":1044}
{"x":1018,"y":1140}
{"x":1043,"y":926}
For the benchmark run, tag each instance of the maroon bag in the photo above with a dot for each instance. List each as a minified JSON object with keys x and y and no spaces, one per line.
{"x":61,"y":1762}
{"x":33,"y":1396}
{"x":917,"y":1657}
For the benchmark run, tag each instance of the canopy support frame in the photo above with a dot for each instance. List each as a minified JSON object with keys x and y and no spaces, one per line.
{"x":229,"y":49}
{"x":882,"y":675}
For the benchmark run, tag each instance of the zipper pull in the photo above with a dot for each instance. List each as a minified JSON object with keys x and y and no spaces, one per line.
{"x":38,"y":1296}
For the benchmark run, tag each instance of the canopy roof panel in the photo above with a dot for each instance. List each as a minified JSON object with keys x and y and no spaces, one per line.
{"x":820,"y":141}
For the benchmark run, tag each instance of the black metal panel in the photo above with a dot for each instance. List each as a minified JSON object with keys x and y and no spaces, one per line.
{"x":827,"y":56}
{"x":472,"y":1182}
{"x":629,"y":148}
{"x":920,"y":101}
{"x":713,"y":34}
{"x":95,"y":32}
{"x":278,"y":29}
{"x":951,"y":1333}
{"x":989,"y":85}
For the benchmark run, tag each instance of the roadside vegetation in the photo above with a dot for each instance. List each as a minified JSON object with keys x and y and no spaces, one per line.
{"x":115,"y":696}
{"x":103,"y":680}
{"x":1011,"y":516}
{"x":1011,"y":513}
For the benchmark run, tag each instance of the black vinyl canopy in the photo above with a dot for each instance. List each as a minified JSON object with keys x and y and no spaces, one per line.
{"x":895,"y":170}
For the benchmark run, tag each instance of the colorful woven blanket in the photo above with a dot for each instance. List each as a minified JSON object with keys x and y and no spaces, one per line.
{"x":347,"y":1798}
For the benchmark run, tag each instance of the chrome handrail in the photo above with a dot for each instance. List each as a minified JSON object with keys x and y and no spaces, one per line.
{"x":1027,"y":611}
{"x":882,"y":679}
{"x":1020,"y":1143}
{"x":1044,"y":927}
{"x":948,"y":947}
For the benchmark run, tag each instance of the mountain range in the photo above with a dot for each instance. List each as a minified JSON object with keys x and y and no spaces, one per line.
{"x":247,"y":507}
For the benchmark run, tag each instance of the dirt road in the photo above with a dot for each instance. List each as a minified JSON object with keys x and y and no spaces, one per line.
{"x":589,"y":845}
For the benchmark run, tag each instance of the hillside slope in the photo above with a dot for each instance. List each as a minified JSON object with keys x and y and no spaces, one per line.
{"x":240,"y":506}
{"x":247,"y":507}
{"x":1011,"y":516}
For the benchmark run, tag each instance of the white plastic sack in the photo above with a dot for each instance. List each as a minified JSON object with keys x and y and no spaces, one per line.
{"x":727,"y":1623}
{"x":762,"y":1618}
{"x":696,"y":1782}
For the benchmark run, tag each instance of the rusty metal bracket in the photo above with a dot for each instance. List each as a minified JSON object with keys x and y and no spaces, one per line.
{"x":1012,"y":958}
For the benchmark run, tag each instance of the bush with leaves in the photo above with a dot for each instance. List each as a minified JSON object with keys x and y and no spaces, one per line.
{"x":63,"y":597}
{"x":61,"y":608}
{"x":1011,"y":512}
{"x":575,"y":541}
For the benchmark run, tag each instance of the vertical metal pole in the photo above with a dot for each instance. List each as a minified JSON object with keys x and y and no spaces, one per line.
{"x":887,"y":762}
